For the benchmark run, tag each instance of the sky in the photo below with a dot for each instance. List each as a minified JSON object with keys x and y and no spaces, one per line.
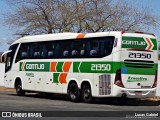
{"x":8,"y":34}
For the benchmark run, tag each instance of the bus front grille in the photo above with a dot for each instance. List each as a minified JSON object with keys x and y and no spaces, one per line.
{"x":139,"y":63}
{"x":104,"y":85}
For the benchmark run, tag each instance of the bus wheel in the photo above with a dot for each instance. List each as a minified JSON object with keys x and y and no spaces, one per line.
{"x":19,"y":90}
{"x":87,"y":94}
{"x":73,"y":92}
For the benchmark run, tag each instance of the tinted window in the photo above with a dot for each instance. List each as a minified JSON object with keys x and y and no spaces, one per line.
{"x":96,"y":47}
{"x":23,"y":52}
{"x":65,"y":49}
{"x":78,"y":49}
{"x":99,"y":47}
{"x":10,"y":57}
{"x":49,"y":50}
{"x":36,"y":51}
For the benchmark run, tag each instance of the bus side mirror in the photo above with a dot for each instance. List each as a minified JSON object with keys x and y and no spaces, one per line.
{"x":4,"y":55}
{"x":3,"y":59}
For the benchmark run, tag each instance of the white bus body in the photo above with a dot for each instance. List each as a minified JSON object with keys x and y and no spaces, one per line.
{"x":103,"y":64}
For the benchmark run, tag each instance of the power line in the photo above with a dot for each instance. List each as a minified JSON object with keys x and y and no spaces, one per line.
{"x":22,"y":34}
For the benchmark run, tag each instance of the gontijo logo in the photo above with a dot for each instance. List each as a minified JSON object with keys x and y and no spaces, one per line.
{"x":34,"y":66}
{"x":128,"y":42}
{"x":139,"y":43}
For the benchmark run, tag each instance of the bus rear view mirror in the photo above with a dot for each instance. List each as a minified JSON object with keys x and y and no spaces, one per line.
{"x":4,"y":55}
{"x":2,"y":59}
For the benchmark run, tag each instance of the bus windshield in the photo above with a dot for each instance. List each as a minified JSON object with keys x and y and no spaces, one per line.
{"x":10,"y":56}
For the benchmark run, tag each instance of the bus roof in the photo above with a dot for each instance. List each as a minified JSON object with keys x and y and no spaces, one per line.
{"x":68,"y":35}
{"x":60,"y":36}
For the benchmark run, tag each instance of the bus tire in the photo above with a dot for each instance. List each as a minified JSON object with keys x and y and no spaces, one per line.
{"x":19,"y":90}
{"x":87,"y":94}
{"x":73,"y":92}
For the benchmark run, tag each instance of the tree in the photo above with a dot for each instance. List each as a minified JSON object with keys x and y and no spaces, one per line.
{"x":53,"y":16}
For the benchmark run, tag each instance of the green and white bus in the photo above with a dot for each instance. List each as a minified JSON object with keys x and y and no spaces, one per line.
{"x":92,"y":65}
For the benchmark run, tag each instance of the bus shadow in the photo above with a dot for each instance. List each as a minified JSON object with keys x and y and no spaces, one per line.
{"x":46,"y":96}
{"x":102,"y":101}
{"x":130,"y":102}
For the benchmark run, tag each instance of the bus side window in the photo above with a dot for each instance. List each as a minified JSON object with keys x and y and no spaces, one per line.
{"x":48,"y":50}
{"x":75,"y":54}
{"x":65,"y":47}
{"x":50,"y":54}
{"x":93,"y":53}
{"x":24,"y":55}
{"x":65,"y":53}
{"x":44,"y":51}
{"x":82,"y":53}
{"x":94,"y":48}
{"x":36,"y":51}
{"x":23,"y":52}
{"x":102,"y":48}
{"x":75,"y":49}
{"x":108,"y":45}
{"x":58,"y":51}
{"x":78,"y":49}
{"x":83,"y":49}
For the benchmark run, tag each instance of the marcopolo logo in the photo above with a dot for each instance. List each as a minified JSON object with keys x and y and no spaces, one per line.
{"x":136,"y":79}
{"x":30,"y":74}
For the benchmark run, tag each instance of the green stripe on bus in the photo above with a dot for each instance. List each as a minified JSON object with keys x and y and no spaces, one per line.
{"x":112,"y":67}
{"x":55,"y":77}
{"x":20,"y":66}
{"x":140,"y":71}
{"x":154,"y":41}
{"x":96,"y":67}
{"x":59,"y":67}
{"x":137,"y":42}
{"x":134,"y":42}
{"x":93,"y":67}
{"x":75,"y":66}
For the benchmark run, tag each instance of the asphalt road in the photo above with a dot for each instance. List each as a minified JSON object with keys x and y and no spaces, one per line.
{"x":59,"y":103}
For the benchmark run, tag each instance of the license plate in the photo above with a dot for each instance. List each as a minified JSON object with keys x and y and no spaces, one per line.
{"x":138,"y":92}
